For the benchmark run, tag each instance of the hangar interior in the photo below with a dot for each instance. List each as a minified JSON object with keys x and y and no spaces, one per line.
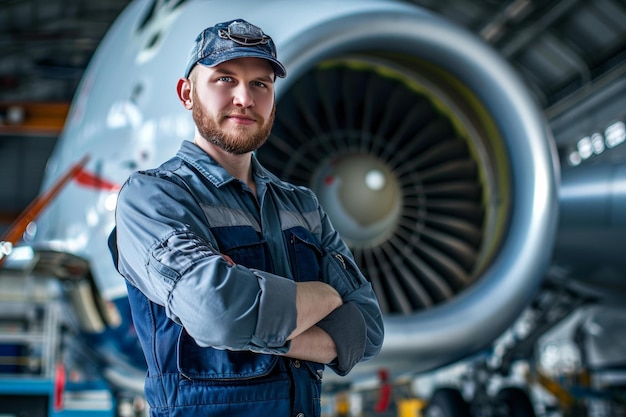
{"x":564,"y":50}
{"x":570,"y":54}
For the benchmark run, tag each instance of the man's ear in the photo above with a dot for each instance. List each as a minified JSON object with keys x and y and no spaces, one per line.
{"x":183,"y":88}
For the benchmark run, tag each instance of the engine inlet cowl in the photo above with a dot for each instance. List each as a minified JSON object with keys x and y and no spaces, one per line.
{"x":432,"y":162}
{"x":392,"y":171}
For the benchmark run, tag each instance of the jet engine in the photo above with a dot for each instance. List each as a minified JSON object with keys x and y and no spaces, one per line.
{"x":434,"y":165}
{"x":424,"y":147}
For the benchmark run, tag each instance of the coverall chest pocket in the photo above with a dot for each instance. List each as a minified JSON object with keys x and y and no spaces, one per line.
{"x":305,"y":254}
{"x":245,"y":246}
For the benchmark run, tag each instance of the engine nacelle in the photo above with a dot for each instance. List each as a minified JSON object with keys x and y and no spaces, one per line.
{"x":433,"y":163}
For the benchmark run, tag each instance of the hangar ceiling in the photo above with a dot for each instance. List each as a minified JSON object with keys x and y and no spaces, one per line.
{"x":565,"y":50}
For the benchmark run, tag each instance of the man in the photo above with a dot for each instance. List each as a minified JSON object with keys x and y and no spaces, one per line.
{"x":240,"y":288}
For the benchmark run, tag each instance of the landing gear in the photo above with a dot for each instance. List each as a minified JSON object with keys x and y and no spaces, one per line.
{"x":516,"y":401}
{"x":447,"y":402}
{"x":509,"y":402}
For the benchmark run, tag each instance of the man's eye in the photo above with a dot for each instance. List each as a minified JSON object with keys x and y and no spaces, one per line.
{"x":226,"y":79}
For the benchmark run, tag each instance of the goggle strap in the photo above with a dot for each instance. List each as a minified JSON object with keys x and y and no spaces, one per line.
{"x":243,"y":38}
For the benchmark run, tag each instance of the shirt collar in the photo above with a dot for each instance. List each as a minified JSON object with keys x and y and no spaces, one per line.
{"x":204,"y":163}
{"x":214,"y":172}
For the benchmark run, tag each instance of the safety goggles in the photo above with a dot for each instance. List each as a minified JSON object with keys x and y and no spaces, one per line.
{"x":246,"y":34}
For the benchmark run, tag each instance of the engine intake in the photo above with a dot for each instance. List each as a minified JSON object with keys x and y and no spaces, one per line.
{"x":434,"y":165}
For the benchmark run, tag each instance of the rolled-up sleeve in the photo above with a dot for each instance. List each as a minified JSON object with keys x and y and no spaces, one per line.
{"x":340,"y":270}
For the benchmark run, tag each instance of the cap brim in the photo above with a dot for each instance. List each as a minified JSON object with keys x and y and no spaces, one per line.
{"x":243,"y":52}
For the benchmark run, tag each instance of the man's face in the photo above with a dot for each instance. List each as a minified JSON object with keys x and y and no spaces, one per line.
{"x":234,"y":103}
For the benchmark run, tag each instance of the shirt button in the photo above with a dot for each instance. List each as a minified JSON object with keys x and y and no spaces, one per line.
{"x":296,"y":364}
{"x":300,"y":415}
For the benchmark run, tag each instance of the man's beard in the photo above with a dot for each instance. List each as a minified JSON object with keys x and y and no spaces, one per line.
{"x":237,"y":143}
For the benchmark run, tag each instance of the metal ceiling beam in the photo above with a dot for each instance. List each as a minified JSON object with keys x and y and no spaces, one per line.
{"x":550,"y":15}
{"x":38,"y":119}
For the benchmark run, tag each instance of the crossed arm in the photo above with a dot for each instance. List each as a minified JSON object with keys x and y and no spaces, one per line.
{"x":314,"y":301}
{"x":338,"y":339}
{"x":324,"y":324}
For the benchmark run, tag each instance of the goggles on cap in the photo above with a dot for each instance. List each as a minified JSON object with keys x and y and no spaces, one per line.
{"x":244,"y":33}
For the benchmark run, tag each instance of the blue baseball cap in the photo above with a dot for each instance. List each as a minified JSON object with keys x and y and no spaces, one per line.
{"x":233,"y":39}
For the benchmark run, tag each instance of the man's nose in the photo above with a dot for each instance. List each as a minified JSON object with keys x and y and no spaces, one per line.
{"x":243,"y":96}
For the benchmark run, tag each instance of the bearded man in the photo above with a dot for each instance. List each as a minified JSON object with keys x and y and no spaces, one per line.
{"x":240,"y":288}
